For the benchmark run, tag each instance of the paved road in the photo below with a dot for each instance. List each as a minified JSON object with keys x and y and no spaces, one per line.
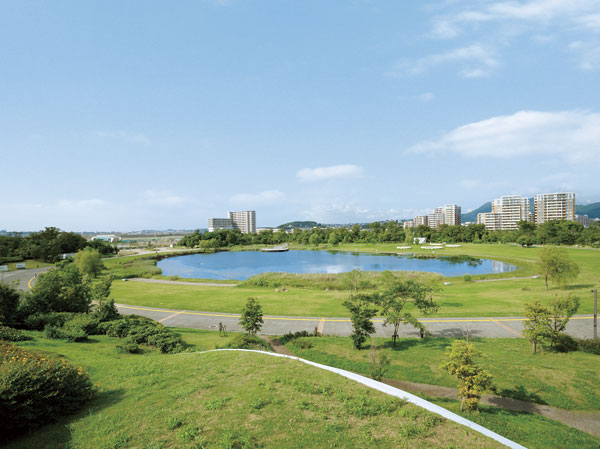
{"x":579,"y":326}
{"x":22,"y":277}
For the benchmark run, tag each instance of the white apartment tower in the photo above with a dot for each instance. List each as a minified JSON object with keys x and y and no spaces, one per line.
{"x":245,"y":221}
{"x":512,"y":209}
{"x":554,"y":206}
{"x":449,"y":214}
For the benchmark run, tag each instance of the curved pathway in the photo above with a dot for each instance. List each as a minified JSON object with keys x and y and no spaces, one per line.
{"x":23,"y":278}
{"x":579,"y":326}
{"x":396,"y":392}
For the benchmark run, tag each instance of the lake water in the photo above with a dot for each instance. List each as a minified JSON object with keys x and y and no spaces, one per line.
{"x":241,"y":265}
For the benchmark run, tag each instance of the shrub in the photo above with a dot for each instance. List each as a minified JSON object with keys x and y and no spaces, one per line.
{"x":128,"y":347}
{"x":591,"y":346}
{"x":565,"y":343}
{"x":10,"y":334}
{"x":53,"y":333}
{"x":292,"y":336}
{"x":107,"y":311}
{"x":9,"y":303}
{"x":86,"y":322}
{"x":39,"y":321}
{"x":247,"y":341}
{"x":36,"y":389}
{"x":141,"y":330}
{"x":467,"y":278}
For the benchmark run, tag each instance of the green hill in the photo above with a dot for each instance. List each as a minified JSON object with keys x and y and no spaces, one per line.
{"x":472,"y":216}
{"x":301,"y":224}
{"x":591,"y":210}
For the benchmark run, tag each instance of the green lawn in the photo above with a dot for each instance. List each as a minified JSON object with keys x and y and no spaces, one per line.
{"x":562,"y":380}
{"x":234,"y":399}
{"x":498,"y":298}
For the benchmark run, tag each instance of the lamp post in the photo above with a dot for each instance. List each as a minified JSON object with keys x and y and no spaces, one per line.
{"x":595,"y":292}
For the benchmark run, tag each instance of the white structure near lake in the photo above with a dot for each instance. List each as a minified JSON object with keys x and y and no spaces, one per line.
{"x":245,"y":221}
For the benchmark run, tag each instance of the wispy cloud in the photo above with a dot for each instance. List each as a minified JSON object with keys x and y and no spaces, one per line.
{"x":332,"y":172}
{"x":572,"y":136}
{"x":162,"y":198}
{"x":541,"y":20}
{"x":81,"y":204}
{"x":426,"y":97}
{"x":474,"y":61}
{"x":266,"y":197}
{"x":137,"y":138}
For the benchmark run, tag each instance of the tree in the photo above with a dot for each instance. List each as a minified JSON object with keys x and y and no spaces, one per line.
{"x":89,"y":262}
{"x":556,"y":265}
{"x":315,"y":239}
{"x":9,"y":304}
{"x":561,"y":310}
{"x":361,"y":312}
{"x":61,"y":289}
{"x":397,"y":295}
{"x":252,"y":316}
{"x":537,"y":326}
{"x":473,"y":381}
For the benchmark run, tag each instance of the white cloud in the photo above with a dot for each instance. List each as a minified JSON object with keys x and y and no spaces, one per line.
{"x":333,"y":172}
{"x":81,"y":204}
{"x":268,"y":196}
{"x":137,"y":138}
{"x":475,"y":61}
{"x":426,"y":97}
{"x":161,"y":198}
{"x":572,"y":136}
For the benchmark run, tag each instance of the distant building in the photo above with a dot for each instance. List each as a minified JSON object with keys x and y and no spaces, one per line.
{"x":421,"y":220}
{"x":554,"y":206}
{"x":490,"y":220}
{"x":507,"y":211}
{"x":107,"y":238}
{"x":449,"y":214}
{"x":408,"y":224}
{"x":584,"y":220}
{"x":245,"y":221}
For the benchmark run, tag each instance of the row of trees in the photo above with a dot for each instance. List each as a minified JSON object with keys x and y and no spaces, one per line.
{"x":48,"y":245}
{"x":559,"y":232}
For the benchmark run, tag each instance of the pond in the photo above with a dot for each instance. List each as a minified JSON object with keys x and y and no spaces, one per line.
{"x":241,"y":265}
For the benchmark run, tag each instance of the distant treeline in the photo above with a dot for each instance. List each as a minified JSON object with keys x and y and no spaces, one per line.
{"x":47,"y":245}
{"x":559,"y":232}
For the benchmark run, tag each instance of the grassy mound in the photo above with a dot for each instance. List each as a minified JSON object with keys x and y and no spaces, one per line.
{"x":232,"y":399}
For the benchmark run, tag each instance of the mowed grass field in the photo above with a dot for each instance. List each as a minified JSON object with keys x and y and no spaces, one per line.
{"x":561,"y":380}
{"x":238,"y":400}
{"x":460,"y":299}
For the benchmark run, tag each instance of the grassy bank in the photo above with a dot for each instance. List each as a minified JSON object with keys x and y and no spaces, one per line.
{"x":225,"y":400}
{"x":561,"y":380}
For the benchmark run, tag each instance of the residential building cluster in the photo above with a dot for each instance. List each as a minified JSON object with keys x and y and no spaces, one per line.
{"x":507,"y":211}
{"x":449,"y":214}
{"x":245,"y":221}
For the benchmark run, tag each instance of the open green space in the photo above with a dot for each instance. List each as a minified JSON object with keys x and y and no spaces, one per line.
{"x":564,"y":380}
{"x":460,"y":298}
{"x":234,"y":399}
{"x":29,"y":264}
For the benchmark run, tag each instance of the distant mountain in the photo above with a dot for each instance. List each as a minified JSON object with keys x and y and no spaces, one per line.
{"x":591,"y":210}
{"x":472,"y":216}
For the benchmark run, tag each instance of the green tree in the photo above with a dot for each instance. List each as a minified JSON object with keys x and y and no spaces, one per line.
{"x":361,"y":314}
{"x":89,"y":262}
{"x":561,"y":310}
{"x":537,"y":326}
{"x":473,"y":381}
{"x":101,"y":290}
{"x":556,"y":265}
{"x":252,"y":316}
{"x":315,"y":239}
{"x":9,"y":304}
{"x":61,"y":289}
{"x":395,"y":298}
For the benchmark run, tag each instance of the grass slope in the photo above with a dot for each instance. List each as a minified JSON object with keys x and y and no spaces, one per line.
{"x":561,"y":380}
{"x":232,"y":399}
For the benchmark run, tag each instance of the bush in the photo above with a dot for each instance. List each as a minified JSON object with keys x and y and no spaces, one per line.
{"x":10,"y":334}
{"x":591,"y":346}
{"x":39,"y":321}
{"x":9,"y":303}
{"x":128,"y":347}
{"x":467,"y":278}
{"x":36,"y":389}
{"x":107,"y":311}
{"x":141,"y":330}
{"x":292,"y":336}
{"x":247,"y":341}
{"x":86,"y":322}
{"x":565,"y":343}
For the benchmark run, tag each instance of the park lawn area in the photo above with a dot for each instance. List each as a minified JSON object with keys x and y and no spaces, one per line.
{"x":561,"y":380}
{"x":295,"y":302}
{"x":235,"y":399}
{"x":459,"y":299}
{"x":29,"y":264}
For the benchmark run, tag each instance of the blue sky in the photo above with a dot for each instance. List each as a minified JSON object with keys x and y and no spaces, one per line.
{"x":154,"y":115}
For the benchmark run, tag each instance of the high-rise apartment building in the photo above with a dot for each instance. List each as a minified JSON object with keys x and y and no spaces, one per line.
{"x":245,"y":221}
{"x":511,"y":210}
{"x":554,"y":206}
{"x":449,"y":214}
{"x":421,"y":220}
{"x":490,"y":220}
